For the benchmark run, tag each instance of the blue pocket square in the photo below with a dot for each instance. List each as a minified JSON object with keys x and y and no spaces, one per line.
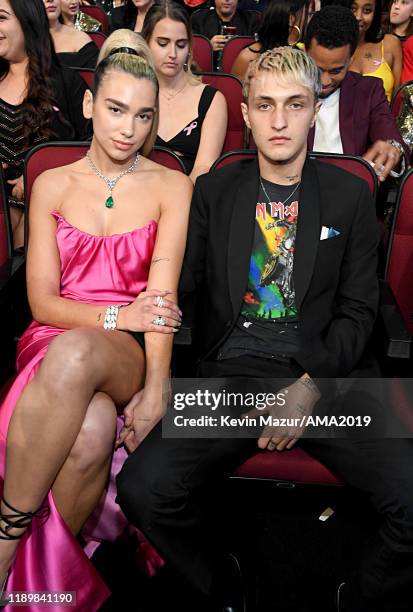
{"x":328,"y":232}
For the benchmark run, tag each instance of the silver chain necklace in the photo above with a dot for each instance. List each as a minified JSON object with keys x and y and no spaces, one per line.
{"x":286,"y":200}
{"x":111,"y":183}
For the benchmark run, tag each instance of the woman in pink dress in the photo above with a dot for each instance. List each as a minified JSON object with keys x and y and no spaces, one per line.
{"x":107,"y":236}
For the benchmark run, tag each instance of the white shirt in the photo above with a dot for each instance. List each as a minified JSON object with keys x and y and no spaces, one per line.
{"x":327,"y":137}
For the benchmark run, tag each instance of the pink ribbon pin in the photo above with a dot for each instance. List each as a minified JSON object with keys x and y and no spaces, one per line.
{"x":188,"y":129}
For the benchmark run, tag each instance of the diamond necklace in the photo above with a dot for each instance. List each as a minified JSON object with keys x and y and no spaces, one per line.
{"x":111,"y":183}
{"x":286,"y":200}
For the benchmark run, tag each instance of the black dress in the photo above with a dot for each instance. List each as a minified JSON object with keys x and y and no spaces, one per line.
{"x":86,"y":57}
{"x":68,"y":123}
{"x":186,"y":142}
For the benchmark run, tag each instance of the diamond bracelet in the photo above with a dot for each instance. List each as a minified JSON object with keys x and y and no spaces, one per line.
{"x":111,"y":317}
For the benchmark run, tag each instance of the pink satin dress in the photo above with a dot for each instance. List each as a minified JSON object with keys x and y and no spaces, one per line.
{"x":94,"y":270}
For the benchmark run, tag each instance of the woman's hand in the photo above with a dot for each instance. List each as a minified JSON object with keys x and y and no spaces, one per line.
{"x":143,"y":412}
{"x":18,"y":188}
{"x":139,"y":316}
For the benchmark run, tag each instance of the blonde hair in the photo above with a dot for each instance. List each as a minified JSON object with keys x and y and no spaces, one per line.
{"x":126,"y":51}
{"x":290,"y":65}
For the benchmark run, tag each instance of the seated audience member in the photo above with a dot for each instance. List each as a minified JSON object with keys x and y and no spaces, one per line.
{"x":376,"y":55}
{"x":73,"y":48}
{"x":213,"y":23}
{"x":73,"y":17}
{"x":130,"y":15}
{"x":401,"y":19}
{"x":39,"y":100}
{"x":354,"y":117}
{"x":192,"y":116}
{"x":281,"y":298}
{"x":102,"y":331}
{"x":280,"y":26}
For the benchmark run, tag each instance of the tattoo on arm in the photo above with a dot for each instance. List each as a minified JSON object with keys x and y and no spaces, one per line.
{"x":156,"y":259}
{"x":98,"y":318}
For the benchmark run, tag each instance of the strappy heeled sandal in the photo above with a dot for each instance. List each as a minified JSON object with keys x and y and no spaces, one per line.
{"x":16,"y":520}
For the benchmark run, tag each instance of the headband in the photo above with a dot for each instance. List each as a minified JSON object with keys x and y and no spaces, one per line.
{"x":123,"y":50}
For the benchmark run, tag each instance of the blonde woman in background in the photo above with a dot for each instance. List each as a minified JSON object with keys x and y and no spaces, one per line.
{"x":107,"y":235}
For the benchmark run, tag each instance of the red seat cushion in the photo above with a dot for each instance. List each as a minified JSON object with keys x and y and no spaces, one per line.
{"x":294,"y":466}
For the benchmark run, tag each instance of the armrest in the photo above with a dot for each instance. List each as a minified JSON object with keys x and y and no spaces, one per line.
{"x":397,"y":339}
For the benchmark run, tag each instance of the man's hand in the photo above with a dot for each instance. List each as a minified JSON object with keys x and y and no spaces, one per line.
{"x":300,"y":398}
{"x":142,"y":413}
{"x":218,"y":41}
{"x":385,"y":158}
{"x":18,"y":188}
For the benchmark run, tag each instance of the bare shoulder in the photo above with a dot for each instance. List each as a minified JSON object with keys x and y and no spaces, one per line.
{"x":82,"y":39}
{"x":251,"y":52}
{"x":51,"y":185}
{"x":392,"y":43}
{"x":163,"y":178}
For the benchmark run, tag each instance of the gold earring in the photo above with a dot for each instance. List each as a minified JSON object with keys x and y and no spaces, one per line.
{"x":295,"y":27}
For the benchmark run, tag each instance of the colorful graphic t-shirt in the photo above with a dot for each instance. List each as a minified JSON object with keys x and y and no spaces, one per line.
{"x":270,"y":292}
{"x":268,"y":324}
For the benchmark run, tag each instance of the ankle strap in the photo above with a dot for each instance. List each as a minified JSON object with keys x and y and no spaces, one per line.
{"x":19,"y":520}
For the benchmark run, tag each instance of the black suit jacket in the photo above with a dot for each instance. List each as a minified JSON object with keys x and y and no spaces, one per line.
{"x":335,"y":279}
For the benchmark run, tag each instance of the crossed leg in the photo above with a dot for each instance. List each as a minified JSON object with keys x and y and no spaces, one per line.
{"x":83,"y":368}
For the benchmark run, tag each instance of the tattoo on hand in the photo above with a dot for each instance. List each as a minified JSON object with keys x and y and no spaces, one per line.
{"x":154,"y":261}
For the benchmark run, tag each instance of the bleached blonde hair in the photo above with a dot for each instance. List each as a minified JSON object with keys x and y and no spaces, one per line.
{"x":290,"y":65}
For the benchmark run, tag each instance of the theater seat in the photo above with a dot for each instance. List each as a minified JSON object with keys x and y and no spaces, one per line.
{"x":202,"y":50}
{"x":399,"y":269}
{"x":231,"y":88}
{"x":232,"y":49}
{"x":355,"y":165}
{"x":294,"y":466}
{"x":98,"y":38}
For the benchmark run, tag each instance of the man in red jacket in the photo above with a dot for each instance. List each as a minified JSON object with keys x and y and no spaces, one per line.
{"x":354,"y":117}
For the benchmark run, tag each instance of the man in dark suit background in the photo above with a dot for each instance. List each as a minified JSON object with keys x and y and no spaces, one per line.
{"x":281,"y":255}
{"x":354,"y":117}
{"x":213,"y":21}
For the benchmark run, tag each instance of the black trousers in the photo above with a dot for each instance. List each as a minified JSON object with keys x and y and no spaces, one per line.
{"x":170,"y":489}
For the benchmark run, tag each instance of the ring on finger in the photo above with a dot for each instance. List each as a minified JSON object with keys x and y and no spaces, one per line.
{"x":160,"y":321}
{"x":380,"y":170}
{"x":159,"y":301}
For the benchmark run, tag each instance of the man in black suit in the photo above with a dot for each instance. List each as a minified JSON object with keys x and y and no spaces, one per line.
{"x":212,"y":23}
{"x":282,"y":255}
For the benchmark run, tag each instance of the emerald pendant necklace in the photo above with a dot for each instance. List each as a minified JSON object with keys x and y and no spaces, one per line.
{"x":111,"y":183}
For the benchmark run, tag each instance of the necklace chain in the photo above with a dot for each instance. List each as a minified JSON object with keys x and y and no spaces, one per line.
{"x":170,"y":97}
{"x":286,"y":200}
{"x":111,"y":182}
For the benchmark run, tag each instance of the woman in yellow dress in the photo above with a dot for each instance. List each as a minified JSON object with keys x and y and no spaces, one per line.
{"x":377,"y":55}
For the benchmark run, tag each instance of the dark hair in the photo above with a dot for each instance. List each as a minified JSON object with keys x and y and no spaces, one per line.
{"x":389,"y":27}
{"x":333,"y":27}
{"x":346,"y":3}
{"x":374,"y":33}
{"x":38,"y":104}
{"x":168,"y":10}
{"x":274,"y":27}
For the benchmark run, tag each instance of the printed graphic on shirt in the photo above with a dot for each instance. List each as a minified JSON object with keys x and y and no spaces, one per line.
{"x":270,"y":293}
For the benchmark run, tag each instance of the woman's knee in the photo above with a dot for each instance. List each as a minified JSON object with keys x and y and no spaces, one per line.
{"x":71,"y":358}
{"x":94,"y":443}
